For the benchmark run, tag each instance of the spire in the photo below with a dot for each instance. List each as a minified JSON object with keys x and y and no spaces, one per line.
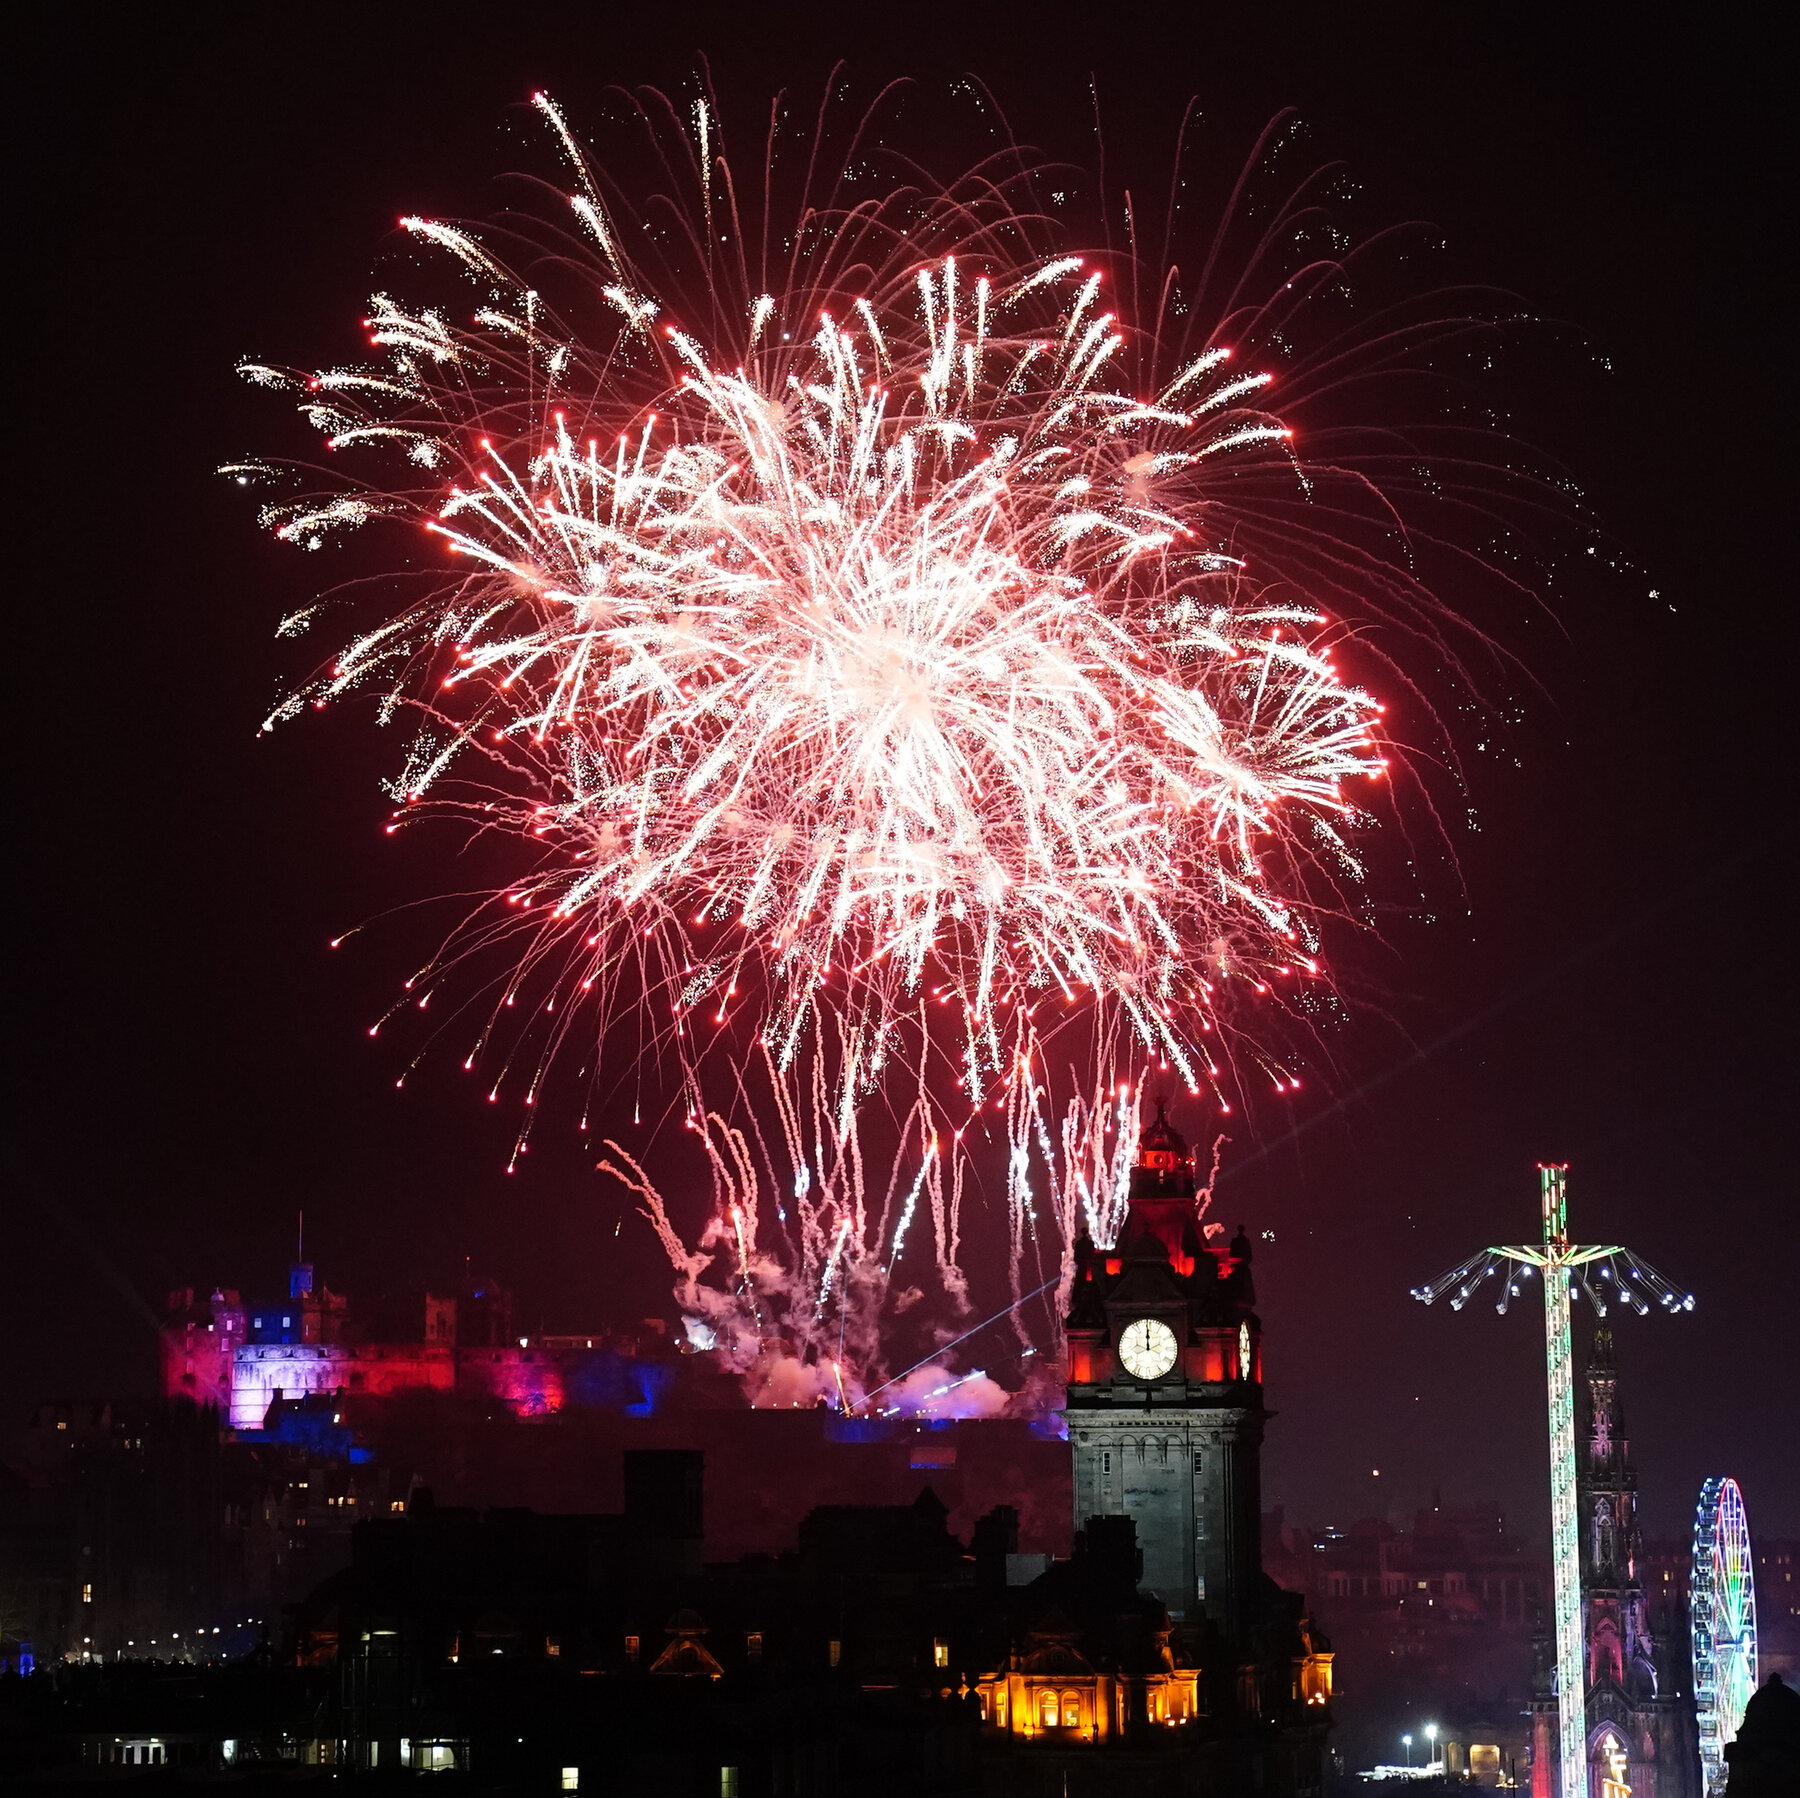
{"x":1605,"y":1416}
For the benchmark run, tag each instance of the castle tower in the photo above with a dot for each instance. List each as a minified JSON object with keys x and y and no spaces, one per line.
{"x":1165,"y":1393}
{"x":1638,"y":1708}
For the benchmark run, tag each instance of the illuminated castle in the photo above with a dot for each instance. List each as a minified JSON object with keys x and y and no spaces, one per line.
{"x":1639,"y":1714}
{"x":242,"y":1358}
{"x":1165,"y":1393}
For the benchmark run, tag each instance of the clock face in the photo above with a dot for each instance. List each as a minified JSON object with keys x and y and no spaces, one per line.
{"x":1148,"y":1349}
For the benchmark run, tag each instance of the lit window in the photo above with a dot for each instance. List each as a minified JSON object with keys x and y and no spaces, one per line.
{"x":87,"y":1592}
{"x":552,"y":1646}
{"x":753,"y":1646}
{"x":1047,"y":1710}
{"x":728,"y":1782}
{"x":631,"y":1648}
{"x":837,"y":1651}
{"x":571,"y":1780}
{"x":940,"y":1652}
{"x":1071,"y":1710}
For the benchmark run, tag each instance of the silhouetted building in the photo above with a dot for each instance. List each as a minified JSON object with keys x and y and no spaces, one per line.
{"x":115,"y":1534}
{"x":878,"y":1655}
{"x":1765,"y":1758}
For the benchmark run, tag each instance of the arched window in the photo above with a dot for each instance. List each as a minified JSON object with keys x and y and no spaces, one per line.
{"x":1613,"y":1762}
{"x":1603,"y":1533}
{"x":1047,"y":1710}
{"x":1071,"y":1710}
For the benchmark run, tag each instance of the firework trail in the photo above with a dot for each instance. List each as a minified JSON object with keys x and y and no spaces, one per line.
{"x":855,"y":633}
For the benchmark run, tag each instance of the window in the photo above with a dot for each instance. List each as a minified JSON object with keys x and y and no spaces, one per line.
{"x":552,"y":1646}
{"x":1047,"y":1712}
{"x":940,"y":1652}
{"x":1199,"y":1465}
{"x":1071,"y":1710}
{"x":631,"y":1649}
{"x":571,"y":1779}
{"x":836,"y":1651}
{"x":87,"y":1592}
{"x":753,"y":1647}
{"x":728,"y":1782}
{"x":1106,"y":1463}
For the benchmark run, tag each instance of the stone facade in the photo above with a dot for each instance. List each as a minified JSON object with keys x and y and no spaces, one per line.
{"x":1178,"y":1450}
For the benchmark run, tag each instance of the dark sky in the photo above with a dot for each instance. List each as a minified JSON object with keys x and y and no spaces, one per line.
{"x":189,"y":1064}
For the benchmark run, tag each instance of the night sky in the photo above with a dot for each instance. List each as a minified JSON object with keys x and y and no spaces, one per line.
{"x":189,"y":1064}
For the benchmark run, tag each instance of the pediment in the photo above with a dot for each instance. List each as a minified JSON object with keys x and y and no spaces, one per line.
{"x":687,"y":1658}
{"x":1058,"y":1660}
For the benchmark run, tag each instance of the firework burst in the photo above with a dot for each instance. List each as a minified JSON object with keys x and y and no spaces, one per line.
{"x":855,"y":638}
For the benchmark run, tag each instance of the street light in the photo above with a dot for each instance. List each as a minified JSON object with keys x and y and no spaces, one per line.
{"x":1431,"y":1737}
{"x":1408,"y":1741}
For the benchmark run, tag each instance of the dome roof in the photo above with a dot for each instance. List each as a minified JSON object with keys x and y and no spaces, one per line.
{"x":1161,"y":1137}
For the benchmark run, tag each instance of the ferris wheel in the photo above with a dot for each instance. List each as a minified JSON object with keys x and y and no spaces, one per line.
{"x":1722,"y":1596}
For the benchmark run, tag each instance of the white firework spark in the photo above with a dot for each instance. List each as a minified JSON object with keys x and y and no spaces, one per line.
{"x":869,"y":654}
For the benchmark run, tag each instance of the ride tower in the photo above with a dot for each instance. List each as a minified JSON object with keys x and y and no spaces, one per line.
{"x":1605,"y":1273}
{"x":1164,"y":1404}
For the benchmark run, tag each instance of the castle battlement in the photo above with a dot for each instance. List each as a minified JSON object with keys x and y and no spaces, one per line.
{"x":243,"y":1358}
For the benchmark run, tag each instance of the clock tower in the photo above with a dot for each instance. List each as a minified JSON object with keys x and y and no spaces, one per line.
{"x":1165,"y":1404}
